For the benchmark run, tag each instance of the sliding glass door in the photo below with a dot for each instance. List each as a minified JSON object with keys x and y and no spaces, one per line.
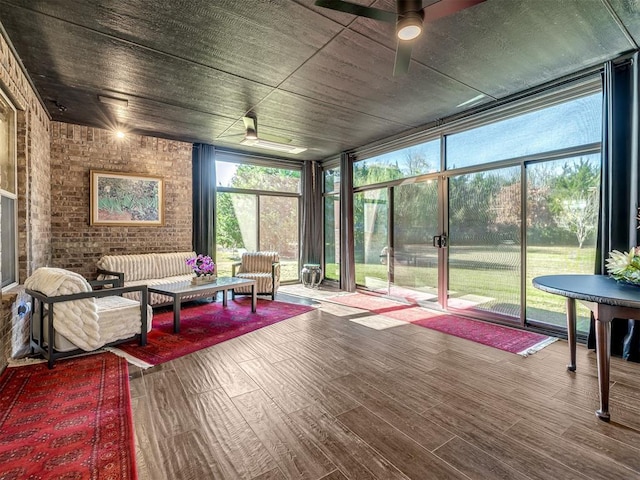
{"x":414,"y":263}
{"x":484,"y":242}
{"x":371,"y":239}
{"x":465,"y":221}
{"x":394,"y":250}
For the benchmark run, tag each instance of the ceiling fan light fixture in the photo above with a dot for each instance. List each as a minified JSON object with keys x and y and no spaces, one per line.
{"x":409,"y":26}
{"x":278,"y":147}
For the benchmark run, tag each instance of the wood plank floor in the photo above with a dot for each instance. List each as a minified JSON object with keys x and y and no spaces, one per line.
{"x":320,"y":396}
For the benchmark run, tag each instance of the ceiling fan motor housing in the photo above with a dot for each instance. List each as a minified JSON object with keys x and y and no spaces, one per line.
{"x":405,"y":6}
{"x":410,"y":19}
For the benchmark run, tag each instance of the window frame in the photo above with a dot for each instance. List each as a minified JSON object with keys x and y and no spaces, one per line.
{"x":242,"y":159}
{"x":12,"y":195}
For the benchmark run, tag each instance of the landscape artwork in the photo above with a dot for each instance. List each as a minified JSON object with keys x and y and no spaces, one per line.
{"x":126,"y":199}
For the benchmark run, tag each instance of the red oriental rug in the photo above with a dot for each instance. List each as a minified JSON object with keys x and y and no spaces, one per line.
{"x":204,"y":325}
{"x":72,"y":422}
{"x":504,"y":338}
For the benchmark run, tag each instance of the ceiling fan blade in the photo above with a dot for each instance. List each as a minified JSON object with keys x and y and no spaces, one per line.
{"x":403,"y":57}
{"x":236,"y":137}
{"x":360,"y":10}
{"x":445,"y":8}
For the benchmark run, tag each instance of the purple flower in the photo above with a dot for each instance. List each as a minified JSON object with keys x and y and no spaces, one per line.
{"x":202,"y":265}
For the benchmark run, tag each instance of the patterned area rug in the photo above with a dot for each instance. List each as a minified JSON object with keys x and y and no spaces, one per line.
{"x":504,"y":338}
{"x":72,"y":422}
{"x":204,"y":325}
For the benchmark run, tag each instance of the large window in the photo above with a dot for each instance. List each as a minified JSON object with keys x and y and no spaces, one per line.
{"x":518,"y":197}
{"x":257,"y":209}
{"x":562,"y":219}
{"x":8,"y":193}
{"x":559,"y":213}
{"x":566,"y":125}
{"x":407,"y":162}
{"x":254,"y":177}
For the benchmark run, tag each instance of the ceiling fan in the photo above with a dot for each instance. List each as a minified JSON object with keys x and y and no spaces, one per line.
{"x":278,"y":144}
{"x":409,"y":18}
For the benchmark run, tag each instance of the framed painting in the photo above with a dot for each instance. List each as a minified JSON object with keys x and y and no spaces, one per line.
{"x":126,"y":199}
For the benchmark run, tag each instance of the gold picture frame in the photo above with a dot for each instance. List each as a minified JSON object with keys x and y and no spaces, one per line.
{"x":126,"y":199}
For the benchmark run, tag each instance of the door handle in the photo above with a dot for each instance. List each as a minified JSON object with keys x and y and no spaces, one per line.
{"x":440,"y":241}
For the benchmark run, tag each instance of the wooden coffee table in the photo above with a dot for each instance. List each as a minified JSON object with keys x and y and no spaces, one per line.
{"x":179,"y":291}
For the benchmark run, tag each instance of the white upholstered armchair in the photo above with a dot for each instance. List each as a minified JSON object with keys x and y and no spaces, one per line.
{"x":69,"y":317}
{"x":263,"y":267}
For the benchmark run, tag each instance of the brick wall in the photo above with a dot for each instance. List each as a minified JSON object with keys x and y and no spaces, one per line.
{"x":75,"y":150}
{"x":34,"y":233}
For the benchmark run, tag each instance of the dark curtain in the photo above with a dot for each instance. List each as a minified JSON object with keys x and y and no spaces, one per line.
{"x":311,"y":235}
{"x":347,"y":264}
{"x":617,"y":229}
{"x":204,"y":198}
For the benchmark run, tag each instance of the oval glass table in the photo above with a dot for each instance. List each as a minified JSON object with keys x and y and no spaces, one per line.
{"x":607,"y":299}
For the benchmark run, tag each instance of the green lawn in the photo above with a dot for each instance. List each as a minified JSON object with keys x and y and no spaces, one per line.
{"x":490,"y":276}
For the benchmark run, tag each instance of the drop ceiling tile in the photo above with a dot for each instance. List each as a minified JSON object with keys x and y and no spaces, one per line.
{"x":629,"y":13}
{"x":263,"y":41}
{"x":355,"y":72}
{"x":286,"y":113}
{"x":78,"y":58}
{"x":141,"y":116}
{"x":502,"y":47}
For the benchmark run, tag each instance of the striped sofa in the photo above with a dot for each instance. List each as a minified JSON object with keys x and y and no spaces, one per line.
{"x":263,"y":267}
{"x":147,"y":269}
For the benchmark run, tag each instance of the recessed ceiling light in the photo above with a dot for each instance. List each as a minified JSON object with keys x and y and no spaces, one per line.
{"x":120,"y":134}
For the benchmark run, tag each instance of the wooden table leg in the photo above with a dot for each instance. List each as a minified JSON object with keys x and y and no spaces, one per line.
{"x":571,"y":333}
{"x":603,"y":351}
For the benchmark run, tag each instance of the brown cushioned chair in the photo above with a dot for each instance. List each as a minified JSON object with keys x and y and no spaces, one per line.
{"x":263,"y":267}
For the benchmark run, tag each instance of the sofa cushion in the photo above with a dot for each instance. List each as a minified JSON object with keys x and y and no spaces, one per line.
{"x":258,"y":261}
{"x":172,"y":264}
{"x":147,"y":266}
{"x":134,"y":267}
{"x":264,"y":282}
{"x":111,"y":311}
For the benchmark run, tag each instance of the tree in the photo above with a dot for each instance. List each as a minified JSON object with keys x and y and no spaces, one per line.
{"x":252,"y":177}
{"x":371,"y":174}
{"x":471,"y":218}
{"x":228,"y":234}
{"x":416,"y":163}
{"x":575,"y":198}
